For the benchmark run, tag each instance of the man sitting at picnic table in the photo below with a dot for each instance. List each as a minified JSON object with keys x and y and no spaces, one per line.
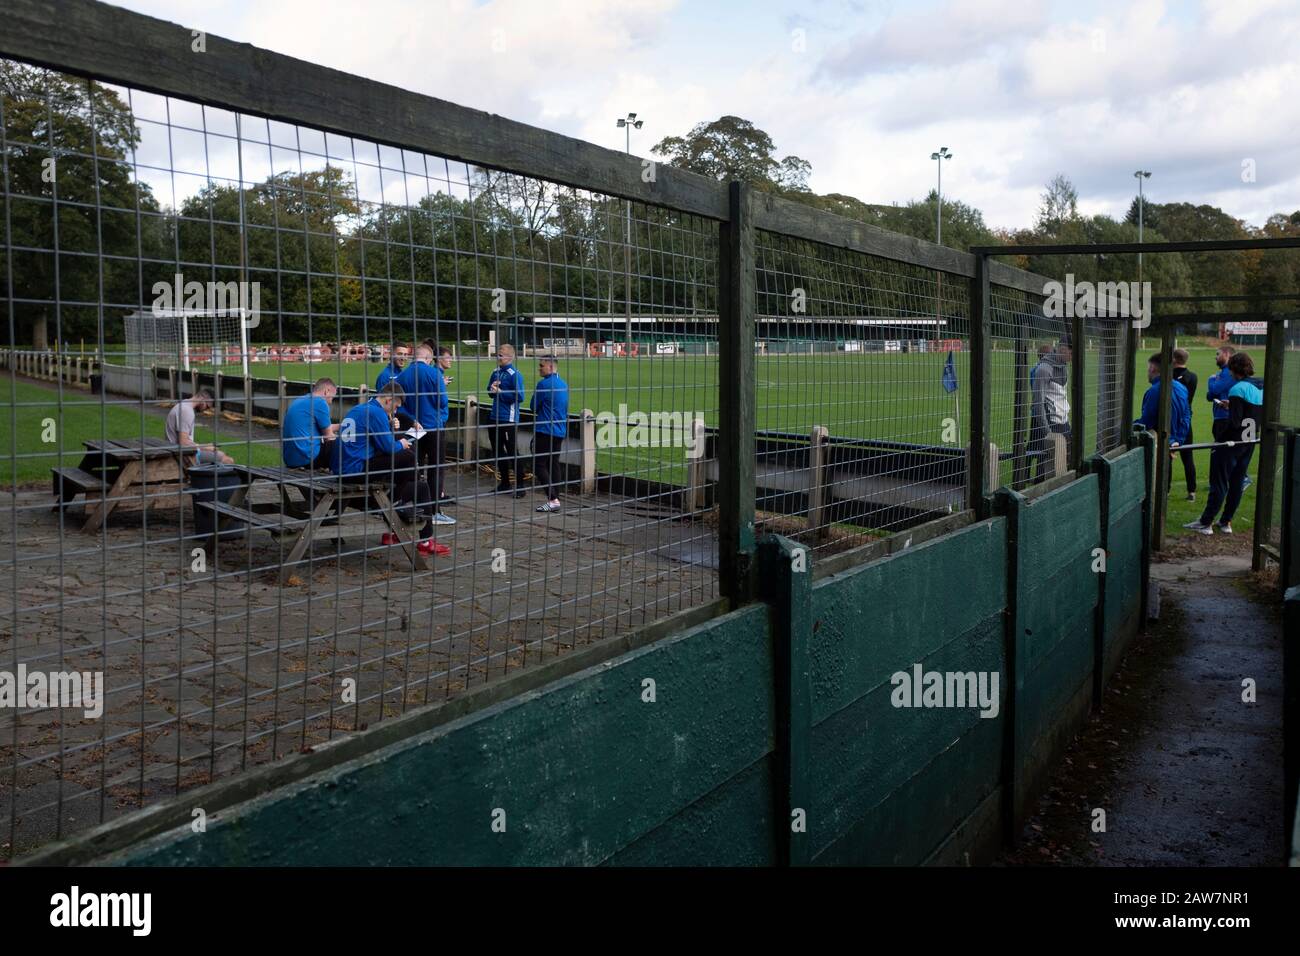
{"x":366,"y":446}
{"x":308,"y":433}
{"x":179,"y":431}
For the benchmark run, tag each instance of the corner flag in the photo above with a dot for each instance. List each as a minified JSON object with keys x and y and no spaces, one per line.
{"x":949,"y":375}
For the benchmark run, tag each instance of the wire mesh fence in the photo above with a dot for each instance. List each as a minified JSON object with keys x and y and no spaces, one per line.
{"x":226,"y":585}
{"x":309,"y":429}
{"x":861,"y":363}
{"x":1107,"y":359}
{"x":1030,"y":395}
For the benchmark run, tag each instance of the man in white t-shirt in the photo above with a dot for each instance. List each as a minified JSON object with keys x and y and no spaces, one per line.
{"x":180,"y":431}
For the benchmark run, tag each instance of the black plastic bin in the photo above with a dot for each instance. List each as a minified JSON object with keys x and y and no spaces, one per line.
{"x":212,"y":483}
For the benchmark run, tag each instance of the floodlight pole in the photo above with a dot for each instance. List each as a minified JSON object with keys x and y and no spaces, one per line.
{"x":1140,"y":175}
{"x":628,"y":125}
{"x":940,"y":156}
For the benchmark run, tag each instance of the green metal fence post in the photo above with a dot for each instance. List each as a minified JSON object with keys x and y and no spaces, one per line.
{"x":736,"y":398}
{"x":785,"y":570}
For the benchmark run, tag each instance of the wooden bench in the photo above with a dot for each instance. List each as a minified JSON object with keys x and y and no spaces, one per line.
{"x":318,"y":494}
{"x":259,"y":518}
{"x":70,"y":482}
{"x":125,"y":474}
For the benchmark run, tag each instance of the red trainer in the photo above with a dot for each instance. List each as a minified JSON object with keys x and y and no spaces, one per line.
{"x":430,"y":546}
{"x":390,"y":538}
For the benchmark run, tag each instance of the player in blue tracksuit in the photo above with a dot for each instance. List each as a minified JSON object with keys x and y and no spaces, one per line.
{"x":1217,"y":388}
{"x":307,"y":434}
{"x":1245,"y":411}
{"x":506,"y":386}
{"x":1180,"y":410}
{"x":426,"y":403}
{"x":550,"y":407}
{"x":1216,"y":393}
{"x":398,"y":355}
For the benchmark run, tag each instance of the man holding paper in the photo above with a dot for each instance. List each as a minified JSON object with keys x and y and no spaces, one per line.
{"x":426,"y":403}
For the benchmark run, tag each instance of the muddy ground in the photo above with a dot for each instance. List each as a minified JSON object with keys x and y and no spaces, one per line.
{"x":1187,"y":772}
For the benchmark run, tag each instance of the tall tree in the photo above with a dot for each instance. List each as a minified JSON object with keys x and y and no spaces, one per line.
{"x":733,"y":148}
{"x":68,"y":147}
{"x":1059,"y":207}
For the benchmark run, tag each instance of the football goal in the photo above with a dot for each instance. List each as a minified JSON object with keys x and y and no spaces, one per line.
{"x":187,"y":339}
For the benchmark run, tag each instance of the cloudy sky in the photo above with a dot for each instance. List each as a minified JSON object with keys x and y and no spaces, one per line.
{"x":1194,"y":90}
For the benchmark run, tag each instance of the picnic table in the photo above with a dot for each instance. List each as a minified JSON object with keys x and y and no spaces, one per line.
{"x":306,"y":500}
{"x":130,"y":474}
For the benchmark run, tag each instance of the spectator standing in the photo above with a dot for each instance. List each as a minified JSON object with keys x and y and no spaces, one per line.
{"x":506,"y":386}
{"x":1188,"y":379}
{"x":397,"y":358}
{"x":1243,"y":428}
{"x":426,"y":406}
{"x":1051,"y":407}
{"x":1180,"y":409}
{"x":550,"y":405}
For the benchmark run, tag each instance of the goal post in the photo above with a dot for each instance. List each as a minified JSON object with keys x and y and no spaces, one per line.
{"x":187,"y":338}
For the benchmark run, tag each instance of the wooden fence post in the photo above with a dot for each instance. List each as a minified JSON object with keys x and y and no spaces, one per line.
{"x":696,"y":473}
{"x":981,"y":361}
{"x":736,"y":397}
{"x":469,"y":431}
{"x":1275,"y":358}
{"x":588,"y":452}
{"x":1078,"y":392}
{"x":817,"y":482}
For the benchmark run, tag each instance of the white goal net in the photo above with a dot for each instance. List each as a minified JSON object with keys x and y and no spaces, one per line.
{"x":187,"y":339}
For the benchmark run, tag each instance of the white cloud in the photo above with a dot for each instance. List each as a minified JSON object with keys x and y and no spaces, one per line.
{"x":1018,"y":90}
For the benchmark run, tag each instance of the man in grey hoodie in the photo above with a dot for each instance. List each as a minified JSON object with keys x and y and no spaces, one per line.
{"x":1051,"y":407}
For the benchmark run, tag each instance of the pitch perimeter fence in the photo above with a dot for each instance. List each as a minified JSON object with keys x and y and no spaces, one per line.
{"x":836,"y":383}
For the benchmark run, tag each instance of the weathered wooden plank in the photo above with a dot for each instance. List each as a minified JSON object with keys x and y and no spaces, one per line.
{"x":981,"y":365}
{"x":108,"y":43}
{"x":736,"y":401}
{"x":790,"y":218}
{"x":785,"y":216}
{"x":1275,"y":356}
